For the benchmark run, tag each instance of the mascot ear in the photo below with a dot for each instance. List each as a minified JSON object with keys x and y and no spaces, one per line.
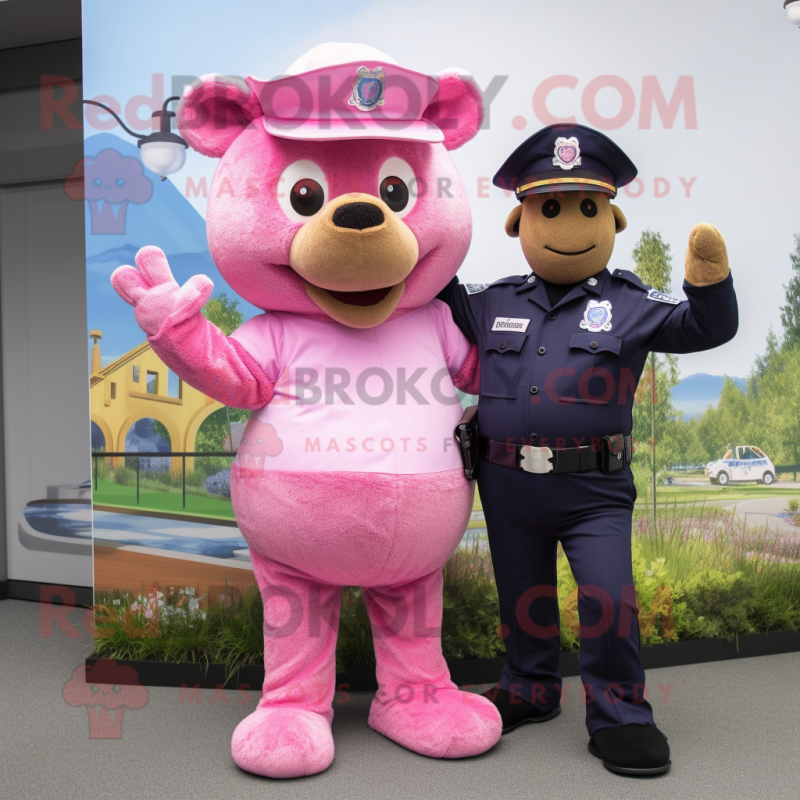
{"x":456,"y":108}
{"x":213,"y":111}
{"x":512,"y":223}
{"x":619,"y":219}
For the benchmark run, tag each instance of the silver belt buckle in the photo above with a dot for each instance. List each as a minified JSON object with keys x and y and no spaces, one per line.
{"x":536,"y":459}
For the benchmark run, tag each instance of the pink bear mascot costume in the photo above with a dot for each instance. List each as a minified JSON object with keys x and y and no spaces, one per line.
{"x":337,"y":209}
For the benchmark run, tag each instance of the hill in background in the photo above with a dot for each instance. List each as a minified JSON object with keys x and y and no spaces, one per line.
{"x":695,"y":393}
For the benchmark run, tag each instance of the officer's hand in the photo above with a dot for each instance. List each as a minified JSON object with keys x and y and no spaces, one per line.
{"x":706,"y":256}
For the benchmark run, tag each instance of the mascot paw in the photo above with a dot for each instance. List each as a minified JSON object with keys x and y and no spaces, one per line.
{"x":446,"y":723}
{"x":281,"y":742}
{"x":706,"y":256}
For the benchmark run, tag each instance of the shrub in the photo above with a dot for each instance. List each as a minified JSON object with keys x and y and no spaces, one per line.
{"x":794,"y":505}
{"x":220,"y":484}
{"x":720,"y":605}
{"x":124,"y":476}
{"x":701,"y":573}
{"x":471,"y":620}
{"x":213,"y":465}
{"x":154,"y":464}
{"x":100,"y":467}
{"x":195,"y":478}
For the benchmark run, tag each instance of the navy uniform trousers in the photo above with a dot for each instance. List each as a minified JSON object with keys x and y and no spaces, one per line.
{"x":564,"y":374}
{"x":527,"y":516}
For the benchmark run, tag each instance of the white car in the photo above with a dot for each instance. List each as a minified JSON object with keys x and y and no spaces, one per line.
{"x":743,"y":463}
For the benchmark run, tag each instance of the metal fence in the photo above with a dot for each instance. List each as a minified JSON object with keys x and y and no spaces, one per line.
{"x":138,"y":456}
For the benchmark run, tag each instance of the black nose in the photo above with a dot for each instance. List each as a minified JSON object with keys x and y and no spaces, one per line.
{"x":358,"y":216}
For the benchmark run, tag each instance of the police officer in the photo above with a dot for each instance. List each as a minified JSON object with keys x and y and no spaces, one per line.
{"x":561,"y":350}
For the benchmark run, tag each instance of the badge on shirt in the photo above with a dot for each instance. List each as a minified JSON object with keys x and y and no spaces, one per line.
{"x":597,"y":316}
{"x":660,"y":297}
{"x":474,"y":288}
{"x":510,"y":325}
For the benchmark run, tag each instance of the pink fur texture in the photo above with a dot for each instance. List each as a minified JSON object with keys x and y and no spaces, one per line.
{"x":281,"y":742}
{"x":468,"y":378}
{"x":185,"y":341}
{"x":250,"y":236}
{"x":416,"y":705}
{"x":213,"y":111}
{"x":353,"y":529}
{"x":312,"y":532}
{"x":457,"y":109}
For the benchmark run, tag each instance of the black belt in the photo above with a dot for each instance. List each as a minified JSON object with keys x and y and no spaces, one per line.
{"x":609,"y":454}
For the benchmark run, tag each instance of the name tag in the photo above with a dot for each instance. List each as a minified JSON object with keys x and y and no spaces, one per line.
{"x":660,"y":297}
{"x":510,"y":325}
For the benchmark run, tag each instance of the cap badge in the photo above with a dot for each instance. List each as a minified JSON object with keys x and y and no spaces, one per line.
{"x":567,"y":153}
{"x":368,"y":89}
{"x":597,"y":316}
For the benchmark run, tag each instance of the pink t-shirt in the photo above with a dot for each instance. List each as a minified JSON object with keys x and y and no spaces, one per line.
{"x":355,"y":400}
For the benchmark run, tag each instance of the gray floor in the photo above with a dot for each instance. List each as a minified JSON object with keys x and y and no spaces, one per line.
{"x":734,"y":729}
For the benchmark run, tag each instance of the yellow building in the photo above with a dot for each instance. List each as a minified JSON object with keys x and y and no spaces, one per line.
{"x":135,"y":387}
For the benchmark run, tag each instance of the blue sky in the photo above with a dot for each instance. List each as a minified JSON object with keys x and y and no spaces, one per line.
{"x":743,"y":59}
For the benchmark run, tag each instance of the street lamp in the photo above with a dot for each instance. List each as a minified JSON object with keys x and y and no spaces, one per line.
{"x":163,"y":152}
{"x":792,"y":9}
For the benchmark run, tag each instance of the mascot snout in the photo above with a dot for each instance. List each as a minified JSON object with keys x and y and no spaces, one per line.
{"x":354,"y":257}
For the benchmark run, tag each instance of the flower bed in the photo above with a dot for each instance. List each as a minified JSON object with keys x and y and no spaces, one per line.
{"x":699,"y":574}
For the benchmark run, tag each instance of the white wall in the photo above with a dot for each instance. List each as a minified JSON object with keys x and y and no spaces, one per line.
{"x":45,"y":374}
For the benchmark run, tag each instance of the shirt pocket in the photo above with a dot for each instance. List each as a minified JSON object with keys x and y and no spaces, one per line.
{"x":502,"y":364}
{"x":592,"y":370}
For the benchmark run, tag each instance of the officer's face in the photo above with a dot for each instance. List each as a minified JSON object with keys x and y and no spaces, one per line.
{"x":566,"y":237}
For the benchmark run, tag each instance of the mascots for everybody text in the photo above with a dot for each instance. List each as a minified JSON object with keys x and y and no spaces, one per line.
{"x":562,"y":349}
{"x":337,"y":209}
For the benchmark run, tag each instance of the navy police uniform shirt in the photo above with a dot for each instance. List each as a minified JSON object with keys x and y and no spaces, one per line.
{"x":564,"y":375}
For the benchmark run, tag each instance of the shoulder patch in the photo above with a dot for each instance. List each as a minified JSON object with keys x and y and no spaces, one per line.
{"x":474,"y":288}
{"x":660,"y":297}
{"x":630,"y":277}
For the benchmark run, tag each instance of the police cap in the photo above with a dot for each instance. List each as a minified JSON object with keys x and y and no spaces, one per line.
{"x":564,"y":158}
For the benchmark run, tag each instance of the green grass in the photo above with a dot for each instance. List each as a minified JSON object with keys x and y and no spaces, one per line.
{"x":697,"y":494}
{"x":166,"y":499}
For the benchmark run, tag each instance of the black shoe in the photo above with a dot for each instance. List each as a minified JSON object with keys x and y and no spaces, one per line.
{"x":519,"y":711}
{"x":633,"y":749}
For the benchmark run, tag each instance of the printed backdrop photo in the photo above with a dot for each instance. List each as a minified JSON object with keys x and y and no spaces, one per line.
{"x":717,"y":433}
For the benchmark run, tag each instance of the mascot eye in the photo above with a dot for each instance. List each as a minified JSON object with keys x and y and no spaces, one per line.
{"x":97,"y":182}
{"x":551,"y":208}
{"x":394,"y":193}
{"x":589,"y":208}
{"x":302,"y":190}
{"x":119,"y":183}
{"x":307,"y":197}
{"x":398,"y":186}
{"x":116,"y":689}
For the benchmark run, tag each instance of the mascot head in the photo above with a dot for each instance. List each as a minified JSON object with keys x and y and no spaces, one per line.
{"x":335,"y":195}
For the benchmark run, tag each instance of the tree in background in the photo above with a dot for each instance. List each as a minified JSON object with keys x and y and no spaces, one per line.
{"x":654,"y":418}
{"x":762,"y":362}
{"x":726,"y":425}
{"x":687,"y":443}
{"x":790,"y":313}
{"x":224,"y":313}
